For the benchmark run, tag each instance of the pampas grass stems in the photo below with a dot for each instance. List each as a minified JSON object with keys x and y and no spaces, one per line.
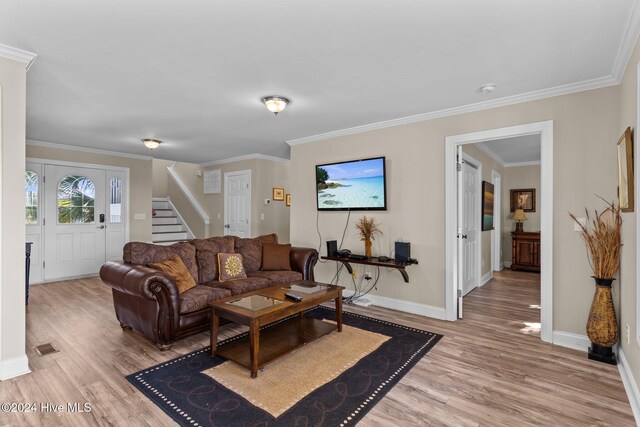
{"x":367,"y":228}
{"x":603,"y":240}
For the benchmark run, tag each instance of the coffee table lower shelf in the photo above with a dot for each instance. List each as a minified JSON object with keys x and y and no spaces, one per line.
{"x":276,"y":340}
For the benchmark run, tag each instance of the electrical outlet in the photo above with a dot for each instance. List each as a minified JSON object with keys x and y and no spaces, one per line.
{"x":627,"y":333}
{"x":139,"y":216}
{"x":367,"y":275}
{"x":261,"y":217}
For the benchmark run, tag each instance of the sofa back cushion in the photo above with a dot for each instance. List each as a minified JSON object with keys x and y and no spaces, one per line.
{"x":146,"y":253}
{"x":251,"y":250}
{"x":175,"y":268}
{"x":207,"y":251}
{"x":276,"y":257}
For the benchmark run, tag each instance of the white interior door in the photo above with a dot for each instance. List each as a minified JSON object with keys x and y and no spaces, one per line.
{"x":469,"y":233}
{"x":237,"y":203}
{"x":74,"y":221}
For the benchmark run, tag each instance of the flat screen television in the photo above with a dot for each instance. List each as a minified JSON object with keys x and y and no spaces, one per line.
{"x":358,"y":185}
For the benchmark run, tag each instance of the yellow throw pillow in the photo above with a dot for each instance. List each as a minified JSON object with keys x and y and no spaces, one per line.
{"x":175,"y":268}
{"x":230,"y":267}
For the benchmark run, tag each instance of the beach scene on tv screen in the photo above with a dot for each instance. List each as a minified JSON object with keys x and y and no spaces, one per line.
{"x":351,"y":185}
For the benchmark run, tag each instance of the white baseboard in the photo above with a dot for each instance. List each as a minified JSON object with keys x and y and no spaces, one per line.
{"x":507,"y":264}
{"x":484,"y":279}
{"x":14,"y":367}
{"x":406,"y":306}
{"x":630,"y":385}
{"x":569,"y":340}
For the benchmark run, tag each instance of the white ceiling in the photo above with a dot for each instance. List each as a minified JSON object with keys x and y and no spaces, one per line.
{"x":109,"y":73}
{"x":514,"y":151}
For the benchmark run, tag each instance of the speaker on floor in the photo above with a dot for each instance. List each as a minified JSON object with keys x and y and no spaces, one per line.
{"x":403,"y":251}
{"x":332,"y":248}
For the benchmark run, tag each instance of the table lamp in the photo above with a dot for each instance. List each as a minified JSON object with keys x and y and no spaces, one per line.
{"x":519,"y":216}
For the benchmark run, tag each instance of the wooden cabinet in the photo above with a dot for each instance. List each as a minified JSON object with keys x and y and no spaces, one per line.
{"x":525,"y":251}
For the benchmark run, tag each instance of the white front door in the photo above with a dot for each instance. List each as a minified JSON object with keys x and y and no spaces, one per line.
{"x":75,"y":221}
{"x":237,"y":203}
{"x":469,"y":220}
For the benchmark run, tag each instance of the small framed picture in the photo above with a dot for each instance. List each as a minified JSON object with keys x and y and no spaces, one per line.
{"x":288,"y":199}
{"x":524,"y":198}
{"x":278,"y":194}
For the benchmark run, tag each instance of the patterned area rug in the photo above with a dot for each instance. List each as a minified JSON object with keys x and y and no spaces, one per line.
{"x":198,"y":390}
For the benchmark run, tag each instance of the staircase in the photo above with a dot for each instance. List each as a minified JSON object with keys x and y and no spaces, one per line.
{"x":167,"y":225}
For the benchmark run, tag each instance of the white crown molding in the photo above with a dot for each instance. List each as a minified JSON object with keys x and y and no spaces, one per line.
{"x":567,"y":89}
{"x":628,"y":42}
{"x":246,"y":157}
{"x":482,"y":147}
{"x":16,"y":54}
{"x":519,"y":164}
{"x":45,"y":144}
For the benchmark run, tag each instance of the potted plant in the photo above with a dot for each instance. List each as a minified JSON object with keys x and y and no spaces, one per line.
{"x":603,"y":242}
{"x":368,"y":229}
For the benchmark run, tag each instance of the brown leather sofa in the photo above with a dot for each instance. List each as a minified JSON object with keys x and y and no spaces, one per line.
{"x":148,"y":301}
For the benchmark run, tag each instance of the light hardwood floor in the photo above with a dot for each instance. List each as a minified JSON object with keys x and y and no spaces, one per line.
{"x":490,"y":369}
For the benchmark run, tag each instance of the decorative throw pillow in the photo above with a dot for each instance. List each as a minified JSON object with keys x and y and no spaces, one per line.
{"x":230,"y":267}
{"x":175,"y":268}
{"x":275,"y":257}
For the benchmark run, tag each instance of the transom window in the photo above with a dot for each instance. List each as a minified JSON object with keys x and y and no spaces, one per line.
{"x":76,"y":200}
{"x":115,"y":200}
{"x":31,"y":193}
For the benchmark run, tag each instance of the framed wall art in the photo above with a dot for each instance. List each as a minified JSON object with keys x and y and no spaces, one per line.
{"x":278,"y":194}
{"x":487,"y":206}
{"x":625,"y":171}
{"x":523,"y":198}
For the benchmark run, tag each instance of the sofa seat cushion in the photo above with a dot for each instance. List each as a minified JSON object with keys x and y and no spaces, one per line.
{"x":200,"y":297}
{"x":242,"y":286}
{"x":276,"y":277}
{"x":207,"y":251}
{"x":251,"y":250}
{"x":147,"y":253}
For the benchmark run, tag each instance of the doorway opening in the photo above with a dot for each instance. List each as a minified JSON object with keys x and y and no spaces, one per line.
{"x":545,"y":132}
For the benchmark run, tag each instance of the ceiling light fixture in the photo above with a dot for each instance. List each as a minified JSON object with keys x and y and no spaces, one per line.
{"x":151,"y":144}
{"x":275,"y":104}
{"x":488,"y":88}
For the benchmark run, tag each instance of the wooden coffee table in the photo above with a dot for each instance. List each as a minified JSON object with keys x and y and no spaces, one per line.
{"x":269,"y":305}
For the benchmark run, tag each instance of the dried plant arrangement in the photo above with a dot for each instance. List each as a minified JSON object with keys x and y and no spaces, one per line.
{"x":602,"y":238}
{"x":368,"y":228}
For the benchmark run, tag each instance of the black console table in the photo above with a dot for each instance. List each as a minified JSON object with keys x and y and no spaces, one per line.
{"x":374,"y":261}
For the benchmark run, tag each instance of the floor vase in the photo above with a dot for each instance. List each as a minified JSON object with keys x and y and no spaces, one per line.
{"x":602,"y":325}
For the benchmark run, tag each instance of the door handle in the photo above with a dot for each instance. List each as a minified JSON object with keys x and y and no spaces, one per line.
{"x":227,"y":226}
{"x":101,"y":227}
{"x":464,"y":236}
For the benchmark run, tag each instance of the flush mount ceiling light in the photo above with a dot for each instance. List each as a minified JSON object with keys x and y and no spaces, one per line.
{"x":488,"y":88}
{"x":275,"y":104}
{"x":151,"y":144}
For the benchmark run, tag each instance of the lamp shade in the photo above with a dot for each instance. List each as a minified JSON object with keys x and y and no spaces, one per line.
{"x":519,"y":215}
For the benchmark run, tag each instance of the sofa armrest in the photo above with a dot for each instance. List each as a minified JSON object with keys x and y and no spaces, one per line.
{"x":141,"y":281}
{"x":303,"y":260}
